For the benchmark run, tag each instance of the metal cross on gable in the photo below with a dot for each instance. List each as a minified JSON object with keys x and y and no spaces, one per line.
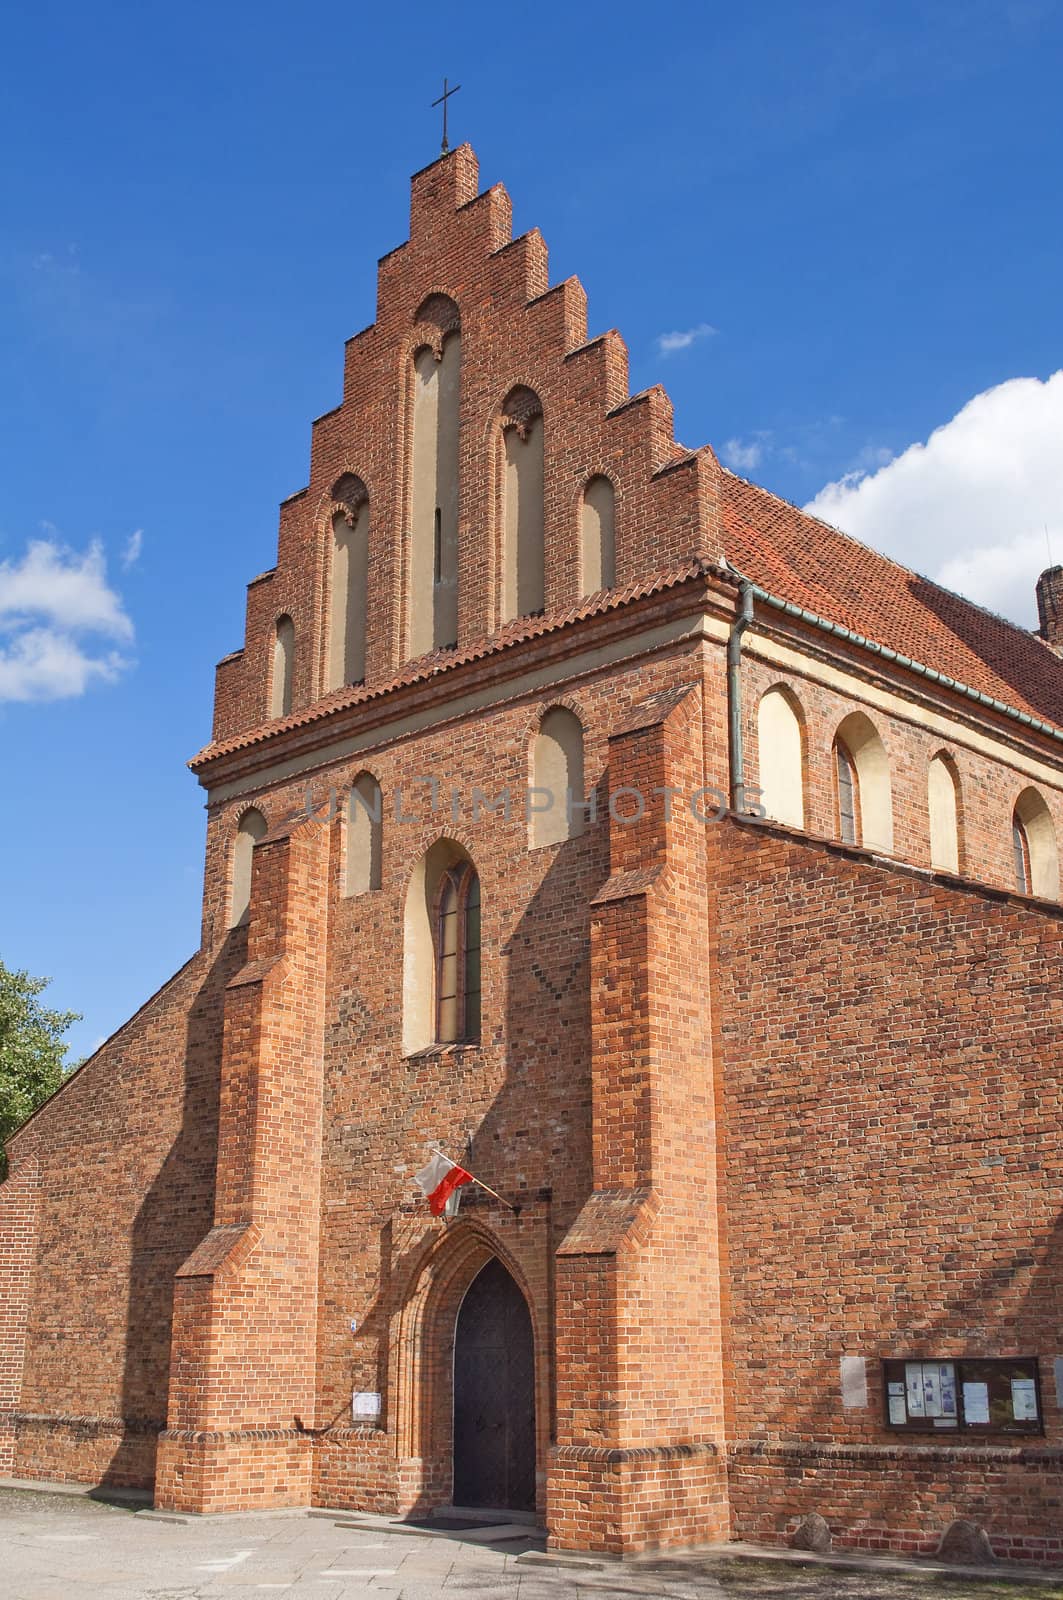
{"x":442,"y":101}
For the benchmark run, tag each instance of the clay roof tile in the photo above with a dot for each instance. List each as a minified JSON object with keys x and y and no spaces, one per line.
{"x":813,"y":565}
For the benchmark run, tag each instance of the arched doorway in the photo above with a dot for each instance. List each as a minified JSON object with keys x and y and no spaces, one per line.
{"x":494,"y":1395}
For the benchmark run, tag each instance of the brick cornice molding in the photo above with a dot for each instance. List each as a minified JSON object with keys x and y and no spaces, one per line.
{"x":231,"y":1435}
{"x":621,"y":1455}
{"x":86,"y":1424}
{"x":885,"y":1455}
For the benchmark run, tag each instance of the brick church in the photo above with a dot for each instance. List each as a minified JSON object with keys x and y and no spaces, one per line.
{"x":683,"y":868}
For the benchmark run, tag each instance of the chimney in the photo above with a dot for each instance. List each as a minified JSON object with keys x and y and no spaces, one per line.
{"x":1050,"y":607}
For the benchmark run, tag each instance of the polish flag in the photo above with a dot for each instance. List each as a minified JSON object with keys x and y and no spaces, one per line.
{"x":439,"y":1180}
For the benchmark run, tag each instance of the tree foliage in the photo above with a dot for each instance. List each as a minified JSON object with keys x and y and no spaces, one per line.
{"x":32,"y":1050}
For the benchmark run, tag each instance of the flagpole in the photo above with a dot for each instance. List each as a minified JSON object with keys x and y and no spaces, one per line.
{"x":435,"y":1148}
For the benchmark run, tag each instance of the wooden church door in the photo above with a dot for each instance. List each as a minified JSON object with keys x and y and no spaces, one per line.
{"x":494,"y":1395}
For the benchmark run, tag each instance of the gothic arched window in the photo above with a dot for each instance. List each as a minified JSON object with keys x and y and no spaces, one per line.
{"x":848,"y":794}
{"x":1020,"y":845}
{"x":1033,"y":838}
{"x":441,"y":950}
{"x":863,"y":789}
{"x":457,"y":953}
{"x":365,"y":816}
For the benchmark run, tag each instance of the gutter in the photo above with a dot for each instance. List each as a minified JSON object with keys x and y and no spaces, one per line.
{"x":746,"y":585}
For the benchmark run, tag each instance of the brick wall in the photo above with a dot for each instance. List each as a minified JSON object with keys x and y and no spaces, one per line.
{"x":524,"y":1092}
{"x":639,"y":1459}
{"x":241,"y":1394}
{"x":893,"y":1099}
{"x":127,"y":1155}
{"x":18,"y":1249}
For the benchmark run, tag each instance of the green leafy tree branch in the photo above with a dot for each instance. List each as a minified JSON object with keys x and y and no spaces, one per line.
{"x":32,"y":1050}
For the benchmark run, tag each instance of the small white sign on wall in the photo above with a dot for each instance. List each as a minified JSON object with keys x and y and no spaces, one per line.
{"x":365,"y":1405}
{"x":854,"y":1381}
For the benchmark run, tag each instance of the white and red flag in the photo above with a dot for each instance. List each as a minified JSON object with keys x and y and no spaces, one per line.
{"x":439,"y":1180}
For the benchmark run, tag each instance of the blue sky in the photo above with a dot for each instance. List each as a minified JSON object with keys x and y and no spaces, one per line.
{"x":829,"y":229}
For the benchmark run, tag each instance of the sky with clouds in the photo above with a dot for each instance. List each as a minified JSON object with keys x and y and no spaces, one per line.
{"x":804,"y":220}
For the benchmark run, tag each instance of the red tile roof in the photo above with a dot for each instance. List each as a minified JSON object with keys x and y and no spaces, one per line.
{"x":811,"y":564}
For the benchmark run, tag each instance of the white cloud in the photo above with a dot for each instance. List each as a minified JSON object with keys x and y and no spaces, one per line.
{"x":970,"y":507}
{"x":57,"y":583}
{"x":745,"y":455}
{"x":133,"y":546}
{"x":682,"y":339}
{"x":49,"y":600}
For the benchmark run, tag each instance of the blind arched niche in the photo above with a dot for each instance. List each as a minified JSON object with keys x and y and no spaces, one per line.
{"x":523,"y":588}
{"x":252,"y":828}
{"x":598,"y":536}
{"x":557,"y":779}
{"x":434,"y":486}
{"x":282,"y":667}
{"x":780,"y":741}
{"x":349,"y":586}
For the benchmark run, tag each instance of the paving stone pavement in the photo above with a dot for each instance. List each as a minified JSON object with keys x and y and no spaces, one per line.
{"x":65,"y":1547}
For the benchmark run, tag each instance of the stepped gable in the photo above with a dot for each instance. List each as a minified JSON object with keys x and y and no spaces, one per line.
{"x":525,"y":343}
{"x":461,"y":269}
{"x":811,"y":564}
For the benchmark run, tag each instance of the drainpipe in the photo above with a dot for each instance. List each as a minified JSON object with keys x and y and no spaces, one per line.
{"x":743,"y":618}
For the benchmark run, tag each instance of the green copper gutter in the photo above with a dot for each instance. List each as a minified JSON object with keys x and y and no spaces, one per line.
{"x":894,"y":656}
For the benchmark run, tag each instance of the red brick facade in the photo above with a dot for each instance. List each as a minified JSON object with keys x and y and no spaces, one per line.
{"x":757,"y":1100}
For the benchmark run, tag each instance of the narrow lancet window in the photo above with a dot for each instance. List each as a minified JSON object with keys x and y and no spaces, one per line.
{"x":845,"y":772}
{"x":441,"y":954}
{"x":1021,"y":847}
{"x":862,"y":784}
{"x":458,"y":956}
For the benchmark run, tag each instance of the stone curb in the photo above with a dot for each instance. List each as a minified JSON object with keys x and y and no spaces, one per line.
{"x":87,"y":1491}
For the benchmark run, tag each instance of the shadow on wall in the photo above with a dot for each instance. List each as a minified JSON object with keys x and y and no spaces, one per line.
{"x":176,"y":1213}
{"x":916,"y":1499}
{"x":900,"y":1208}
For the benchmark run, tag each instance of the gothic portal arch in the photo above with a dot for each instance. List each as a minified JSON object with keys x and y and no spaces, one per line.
{"x":468,"y":1338}
{"x":494,"y":1394}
